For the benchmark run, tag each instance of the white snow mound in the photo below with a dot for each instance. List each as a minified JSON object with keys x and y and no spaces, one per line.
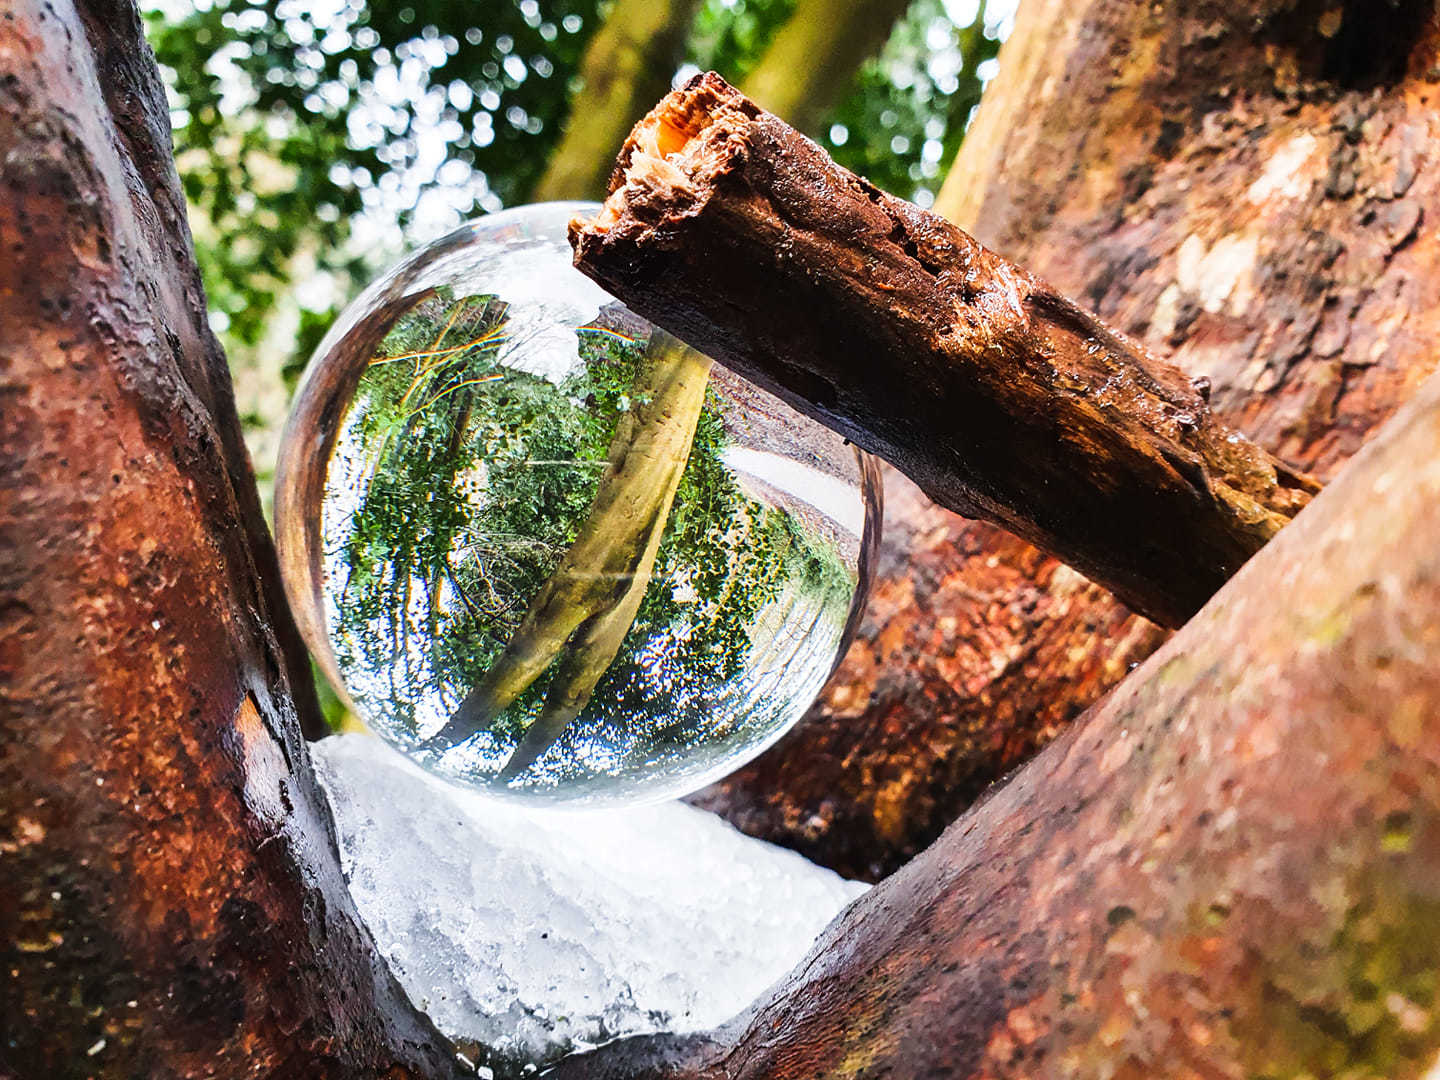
{"x":535,"y":933}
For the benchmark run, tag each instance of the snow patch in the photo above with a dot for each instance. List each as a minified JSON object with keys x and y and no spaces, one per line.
{"x":528,"y":934}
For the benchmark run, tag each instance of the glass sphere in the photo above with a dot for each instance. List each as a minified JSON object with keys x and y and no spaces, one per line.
{"x":549,"y":551}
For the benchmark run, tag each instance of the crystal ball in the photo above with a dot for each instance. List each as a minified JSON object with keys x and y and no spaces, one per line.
{"x":547,"y":550}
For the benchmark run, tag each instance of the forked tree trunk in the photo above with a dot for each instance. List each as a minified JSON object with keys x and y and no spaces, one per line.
{"x":1230,"y":869}
{"x":1248,"y":188}
{"x":171,"y":901}
{"x":630,"y":61}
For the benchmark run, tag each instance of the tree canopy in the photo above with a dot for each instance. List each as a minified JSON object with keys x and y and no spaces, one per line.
{"x":461,"y":485}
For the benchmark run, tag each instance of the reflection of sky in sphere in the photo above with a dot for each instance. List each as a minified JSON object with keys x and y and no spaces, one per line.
{"x":496,"y":402}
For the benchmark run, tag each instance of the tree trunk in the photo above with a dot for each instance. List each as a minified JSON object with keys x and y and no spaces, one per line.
{"x":1231,"y":184}
{"x":1231,"y":868}
{"x":627,"y":65}
{"x":813,"y":58}
{"x":171,"y":901}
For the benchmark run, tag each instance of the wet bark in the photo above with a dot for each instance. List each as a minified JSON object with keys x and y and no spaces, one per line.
{"x":1246,"y":189}
{"x":1229,"y":868}
{"x":171,"y":901}
{"x":1000,"y":397}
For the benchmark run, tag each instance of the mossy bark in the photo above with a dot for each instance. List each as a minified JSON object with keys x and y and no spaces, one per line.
{"x":1230,"y":868}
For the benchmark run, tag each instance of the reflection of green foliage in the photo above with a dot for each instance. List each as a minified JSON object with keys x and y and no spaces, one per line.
{"x":430,"y":409}
{"x":476,"y":479}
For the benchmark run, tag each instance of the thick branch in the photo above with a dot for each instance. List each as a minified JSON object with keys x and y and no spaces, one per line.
{"x":1120,"y":175}
{"x":171,"y":900}
{"x":1000,"y":398}
{"x":1231,"y":867}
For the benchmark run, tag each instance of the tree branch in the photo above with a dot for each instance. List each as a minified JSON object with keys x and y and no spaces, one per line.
{"x":1231,"y":867}
{"x":1000,"y":398}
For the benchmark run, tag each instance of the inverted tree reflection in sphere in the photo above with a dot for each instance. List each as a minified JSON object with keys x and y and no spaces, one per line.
{"x":549,"y":551}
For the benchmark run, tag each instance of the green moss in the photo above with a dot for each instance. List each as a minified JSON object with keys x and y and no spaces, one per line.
{"x":1361,"y":1005}
{"x":1398,"y":835}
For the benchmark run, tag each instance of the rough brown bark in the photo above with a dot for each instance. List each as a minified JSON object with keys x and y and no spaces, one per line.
{"x":1231,"y":184}
{"x":1231,"y":868}
{"x":998,"y":396}
{"x":974,"y":650}
{"x":171,"y":902}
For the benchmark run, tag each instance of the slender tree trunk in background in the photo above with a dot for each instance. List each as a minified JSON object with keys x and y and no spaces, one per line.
{"x":802,"y":75}
{"x":583,"y":611}
{"x":1230,"y":868}
{"x":171,"y":900}
{"x":812,"y":61}
{"x":1244,"y":188}
{"x":627,"y":67}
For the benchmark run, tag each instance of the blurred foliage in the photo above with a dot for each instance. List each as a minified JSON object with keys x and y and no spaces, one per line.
{"x":910,"y":105}
{"x":291,"y":119}
{"x":314,"y":138}
{"x":730,"y":37}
